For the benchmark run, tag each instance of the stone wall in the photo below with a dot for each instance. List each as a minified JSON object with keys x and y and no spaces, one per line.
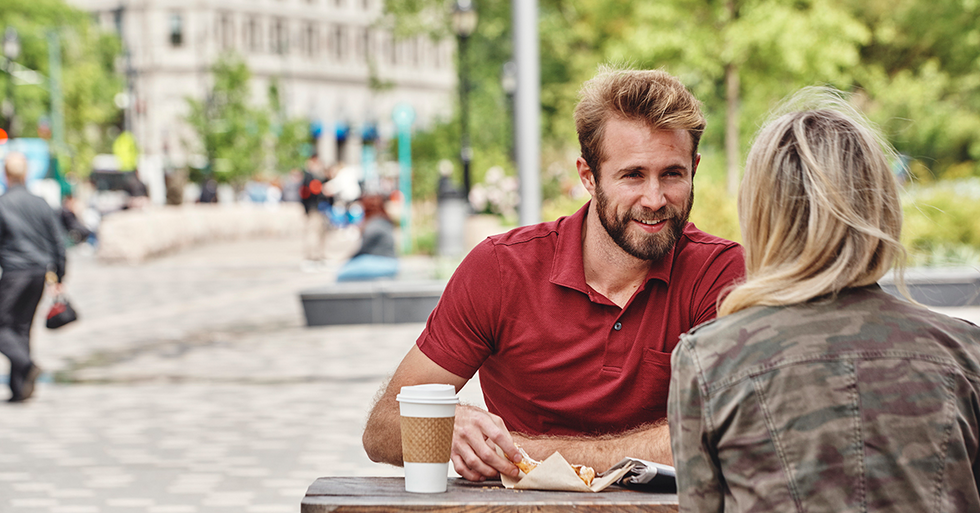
{"x":138,"y":234}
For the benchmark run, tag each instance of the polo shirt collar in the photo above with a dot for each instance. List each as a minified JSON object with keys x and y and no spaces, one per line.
{"x":568,"y":267}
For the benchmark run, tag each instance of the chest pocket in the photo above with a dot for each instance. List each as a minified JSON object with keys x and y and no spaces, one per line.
{"x":656,"y":380}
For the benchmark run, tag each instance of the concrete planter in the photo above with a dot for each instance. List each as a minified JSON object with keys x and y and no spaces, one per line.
{"x":939,"y":286}
{"x":380,"y":302}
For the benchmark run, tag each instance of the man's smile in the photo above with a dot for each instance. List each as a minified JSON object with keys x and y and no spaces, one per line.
{"x":650,"y":226}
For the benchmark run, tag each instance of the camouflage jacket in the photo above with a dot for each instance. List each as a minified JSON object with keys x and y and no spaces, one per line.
{"x":861,"y":403}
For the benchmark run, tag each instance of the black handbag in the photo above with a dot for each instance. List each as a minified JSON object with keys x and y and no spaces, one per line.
{"x":61,"y":313}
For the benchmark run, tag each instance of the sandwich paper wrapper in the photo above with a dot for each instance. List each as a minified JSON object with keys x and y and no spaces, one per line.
{"x":555,"y":473}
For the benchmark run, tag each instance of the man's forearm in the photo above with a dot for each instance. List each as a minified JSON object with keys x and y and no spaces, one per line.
{"x":650,"y":442}
{"x":382,"y":437}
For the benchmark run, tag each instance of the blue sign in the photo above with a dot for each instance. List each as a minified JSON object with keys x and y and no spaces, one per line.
{"x":316,"y":129}
{"x":341,"y":129}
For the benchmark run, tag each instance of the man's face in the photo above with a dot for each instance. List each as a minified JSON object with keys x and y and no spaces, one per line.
{"x":645,"y":188}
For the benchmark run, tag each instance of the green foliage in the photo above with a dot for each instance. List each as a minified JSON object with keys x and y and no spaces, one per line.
{"x":714,"y":211}
{"x":913,"y":66}
{"x":289,"y":136}
{"x":230,"y":130}
{"x":238,"y":138}
{"x":940,"y":224}
{"x":89,"y":81}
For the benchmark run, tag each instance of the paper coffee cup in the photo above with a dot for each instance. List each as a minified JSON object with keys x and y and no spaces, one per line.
{"x":427,"y":416}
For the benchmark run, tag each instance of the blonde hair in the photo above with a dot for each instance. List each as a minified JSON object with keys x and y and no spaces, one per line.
{"x":652,"y":96}
{"x":818,"y":206}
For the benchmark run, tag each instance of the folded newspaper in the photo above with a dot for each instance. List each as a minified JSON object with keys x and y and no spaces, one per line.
{"x":645,"y":475}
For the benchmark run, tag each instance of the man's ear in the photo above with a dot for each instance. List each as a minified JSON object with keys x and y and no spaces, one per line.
{"x":585,"y":175}
{"x":697,"y":160}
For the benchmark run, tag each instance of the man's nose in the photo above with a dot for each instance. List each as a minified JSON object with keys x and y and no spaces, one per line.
{"x":653,"y":196}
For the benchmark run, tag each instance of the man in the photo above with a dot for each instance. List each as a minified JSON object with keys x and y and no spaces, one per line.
{"x":31,"y":244}
{"x":311,"y":195}
{"x":571,"y":323}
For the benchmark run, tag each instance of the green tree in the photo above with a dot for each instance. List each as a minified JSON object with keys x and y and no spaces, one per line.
{"x":739,"y":56}
{"x":921,"y":80}
{"x":289,"y":137}
{"x":231,"y":132}
{"x":89,"y":80}
{"x":913,"y":64}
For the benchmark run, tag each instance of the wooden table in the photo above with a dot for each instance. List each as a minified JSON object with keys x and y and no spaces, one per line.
{"x":387,"y":494}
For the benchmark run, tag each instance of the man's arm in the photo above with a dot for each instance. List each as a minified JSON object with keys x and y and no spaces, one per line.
{"x":650,"y":442}
{"x":476,"y":435}
{"x":54,"y":234}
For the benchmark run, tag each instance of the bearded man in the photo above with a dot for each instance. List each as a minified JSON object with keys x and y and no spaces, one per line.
{"x":571,"y":323}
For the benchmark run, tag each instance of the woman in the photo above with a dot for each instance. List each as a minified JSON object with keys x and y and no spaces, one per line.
{"x":376,"y":257}
{"x":815,"y":390}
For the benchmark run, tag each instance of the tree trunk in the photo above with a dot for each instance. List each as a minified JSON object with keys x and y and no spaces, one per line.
{"x":732,"y":99}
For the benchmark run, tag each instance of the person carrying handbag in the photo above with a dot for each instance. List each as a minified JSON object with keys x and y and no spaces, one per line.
{"x":31,"y":243}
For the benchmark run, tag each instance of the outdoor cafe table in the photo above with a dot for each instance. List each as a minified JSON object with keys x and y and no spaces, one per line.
{"x":387,"y":494}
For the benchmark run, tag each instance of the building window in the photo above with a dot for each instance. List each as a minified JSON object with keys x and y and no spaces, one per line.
{"x":438,"y":55}
{"x":311,"y":40}
{"x":279,"y":37}
{"x":176,"y":30}
{"x":364,"y":47}
{"x":394,"y":51}
{"x":253,"y":35}
{"x":226,"y":32}
{"x":117,"y":21}
{"x":339,"y":42}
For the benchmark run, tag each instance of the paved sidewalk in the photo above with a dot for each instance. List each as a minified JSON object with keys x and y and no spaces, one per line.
{"x":190,"y":384}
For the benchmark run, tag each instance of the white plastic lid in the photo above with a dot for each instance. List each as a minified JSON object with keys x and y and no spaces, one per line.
{"x":428,"y":394}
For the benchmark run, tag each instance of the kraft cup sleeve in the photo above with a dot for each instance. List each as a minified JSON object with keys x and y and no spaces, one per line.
{"x":427,"y":440}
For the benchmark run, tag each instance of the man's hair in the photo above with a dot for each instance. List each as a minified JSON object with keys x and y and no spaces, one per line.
{"x":15,"y":166}
{"x":650,"y":96}
{"x":818,"y":206}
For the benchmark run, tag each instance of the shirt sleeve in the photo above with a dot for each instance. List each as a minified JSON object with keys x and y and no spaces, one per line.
{"x":460,"y":332}
{"x":56,"y":238}
{"x":720,"y":275}
{"x":699,"y":481}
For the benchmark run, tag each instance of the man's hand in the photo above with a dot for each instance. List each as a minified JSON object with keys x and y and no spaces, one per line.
{"x":476,"y":436}
{"x":649,"y":442}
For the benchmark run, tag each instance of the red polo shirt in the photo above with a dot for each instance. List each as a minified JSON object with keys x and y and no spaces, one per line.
{"x":555,"y":356}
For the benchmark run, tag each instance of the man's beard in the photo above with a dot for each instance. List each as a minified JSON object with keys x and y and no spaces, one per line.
{"x":643,"y":245}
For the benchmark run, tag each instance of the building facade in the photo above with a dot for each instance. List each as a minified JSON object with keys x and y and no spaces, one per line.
{"x":324,"y":54}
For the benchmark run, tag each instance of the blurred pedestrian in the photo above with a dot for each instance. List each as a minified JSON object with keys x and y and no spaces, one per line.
{"x":315,"y":204}
{"x":209,"y":191}
{"x":138,"y":194}
{"x":31,"y":245}
{"x":77,"y":231}
{"x":291,"y":185}
{"x":376,"y":257}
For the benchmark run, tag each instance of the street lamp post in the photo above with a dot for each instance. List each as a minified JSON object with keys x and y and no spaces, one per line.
{"x":11,"y":50}
{"x":464,"y":23}
{"x":508,"y":81}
